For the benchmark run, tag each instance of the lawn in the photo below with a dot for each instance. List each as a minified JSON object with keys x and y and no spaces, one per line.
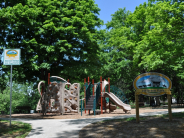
{"x":17,"y":129}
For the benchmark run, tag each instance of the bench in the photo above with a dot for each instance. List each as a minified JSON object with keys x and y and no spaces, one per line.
{"x":23,"y":109}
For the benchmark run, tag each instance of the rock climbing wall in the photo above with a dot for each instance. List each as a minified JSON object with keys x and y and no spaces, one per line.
{"x":58,"y":99}
{"x":52,"y":93}
{"x":71,"y":98}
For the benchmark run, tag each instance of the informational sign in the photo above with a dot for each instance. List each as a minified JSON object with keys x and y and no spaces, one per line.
{"x":11,"y":57}
{"x":152,"y":84}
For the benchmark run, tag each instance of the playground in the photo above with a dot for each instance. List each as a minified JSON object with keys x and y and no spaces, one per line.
{"x":60,"y":103}
{"x":62,"y":97}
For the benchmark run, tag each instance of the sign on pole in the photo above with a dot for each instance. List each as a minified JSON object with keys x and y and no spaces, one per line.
{"x":152,"y":84}
{"x":11,"y":57}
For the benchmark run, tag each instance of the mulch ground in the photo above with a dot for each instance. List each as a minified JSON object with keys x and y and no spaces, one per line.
{"x":117,"y":112}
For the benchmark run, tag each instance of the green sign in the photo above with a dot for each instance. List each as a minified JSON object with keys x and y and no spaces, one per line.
{"x":11,"y":57}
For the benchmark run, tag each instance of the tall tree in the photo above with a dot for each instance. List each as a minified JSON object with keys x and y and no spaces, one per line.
{"x":54,"y":36}
{"x":150,"y":40}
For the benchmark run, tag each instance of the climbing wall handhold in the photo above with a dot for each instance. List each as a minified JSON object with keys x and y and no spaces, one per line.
{"x":75,"y":98}
{"x":71,"y":92}
{"x":70,"y":98}
{"x":75,"y":87}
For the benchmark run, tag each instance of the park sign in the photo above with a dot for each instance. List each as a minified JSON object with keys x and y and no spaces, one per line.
{"x":11,"y":57}
{"x":152,"y":84}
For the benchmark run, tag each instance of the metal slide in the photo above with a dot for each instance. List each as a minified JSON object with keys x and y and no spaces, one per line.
{"x":117,"y":101}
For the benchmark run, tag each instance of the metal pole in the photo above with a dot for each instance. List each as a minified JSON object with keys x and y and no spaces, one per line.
{"x":81,"y":107}
{"x":10,"y":93}
{"x":85,"y":95}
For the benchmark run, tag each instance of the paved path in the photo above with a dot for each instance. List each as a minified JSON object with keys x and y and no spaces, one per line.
{"x":69,"y":128}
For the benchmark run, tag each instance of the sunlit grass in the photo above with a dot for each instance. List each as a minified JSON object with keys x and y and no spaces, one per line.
{"x":174,"y":115}
{"x":17,"y":129}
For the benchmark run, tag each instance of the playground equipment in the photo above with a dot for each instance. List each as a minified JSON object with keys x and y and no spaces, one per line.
{"x":98,"y":96}
{"x":119,"y":93}
{"x":59,"y":97}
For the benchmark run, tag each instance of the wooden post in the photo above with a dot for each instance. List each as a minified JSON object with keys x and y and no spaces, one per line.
{"x":109,"y":92}
{"x":104,"y":97}
{"x":137,"y":107}
{"x":93,"y":86}
{"x":88,"y":80}
{"x":85,"y":94}
{"x":109,"y":85}
{"x":48,"y":78}
{"x":169,"y":107}
{"x":68,"y":84}
{"x":101,"y":94}
{"x":88,"y":86}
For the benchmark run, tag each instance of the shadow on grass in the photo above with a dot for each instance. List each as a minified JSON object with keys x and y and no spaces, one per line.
{"x":155,"y":126}
{"x":16,"y":129}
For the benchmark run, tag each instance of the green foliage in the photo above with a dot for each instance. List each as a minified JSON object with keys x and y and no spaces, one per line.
{"x":172,"y":1}
{"x":52,"y":36}
{"x":117,"y":52}
{"x":150,"y":39}
{"x":22,"y":95}
{"x":60,"y":37}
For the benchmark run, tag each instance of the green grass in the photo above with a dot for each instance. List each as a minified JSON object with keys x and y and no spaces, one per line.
{"x":17,"y":129}
{"x":122,"y":120}
{"x":131,"y":119}
{"x":174,"y":115}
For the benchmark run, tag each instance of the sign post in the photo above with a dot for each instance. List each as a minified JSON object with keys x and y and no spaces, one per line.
{"x":152,"y":84}
{"x":11,"y":57}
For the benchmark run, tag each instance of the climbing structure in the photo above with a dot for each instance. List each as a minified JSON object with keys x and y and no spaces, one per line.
{"x":100,"y":94}
{"x":59,"y":97}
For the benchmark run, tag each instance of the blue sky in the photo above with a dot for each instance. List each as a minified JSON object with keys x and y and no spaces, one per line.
{"x":109,"y":7}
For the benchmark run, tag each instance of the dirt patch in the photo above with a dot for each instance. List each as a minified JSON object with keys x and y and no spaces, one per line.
{"x":118,"y":112}
{"x":150,"y":127}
